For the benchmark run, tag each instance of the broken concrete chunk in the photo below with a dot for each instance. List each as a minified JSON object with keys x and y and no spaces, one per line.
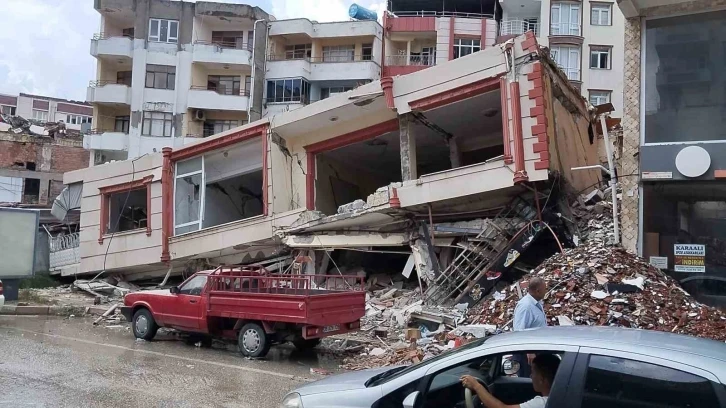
{"x":357,"y":205}
{"x":377,"y":352}
{"x":598,"y":294}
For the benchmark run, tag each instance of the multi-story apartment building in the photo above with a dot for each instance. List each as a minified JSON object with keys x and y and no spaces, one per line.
{"x":585,"y":37}
{"x":170,"y":72}
{"x":309,"y":61}
{"x":674,"y":145}
{"x":74,"y":114}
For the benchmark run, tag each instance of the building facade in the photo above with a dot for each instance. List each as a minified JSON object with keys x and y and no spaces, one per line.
{"x":673,"y":165}
{"x":169,"y":73}
{"x":76,"y":115}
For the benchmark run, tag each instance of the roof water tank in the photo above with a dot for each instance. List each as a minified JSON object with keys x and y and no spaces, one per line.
{"x":361,"y":13}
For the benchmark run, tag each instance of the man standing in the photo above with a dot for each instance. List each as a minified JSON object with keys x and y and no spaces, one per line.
{"x":529,"y":314}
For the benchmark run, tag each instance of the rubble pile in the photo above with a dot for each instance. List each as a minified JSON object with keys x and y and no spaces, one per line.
{"x":595,"y":284}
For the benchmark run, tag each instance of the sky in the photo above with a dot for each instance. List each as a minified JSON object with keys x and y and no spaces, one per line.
{"x":45,"y":44}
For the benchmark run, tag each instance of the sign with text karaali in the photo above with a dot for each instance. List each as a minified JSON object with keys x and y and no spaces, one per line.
{"x":689,"y":258}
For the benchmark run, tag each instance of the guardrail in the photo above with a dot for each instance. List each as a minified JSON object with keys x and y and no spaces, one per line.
{"x":221,"y":91}
{"x":63,"y":242}
{"x":323,"y":59}
{"x":104,"y":36}
{"x":230,"y":45}
{"x":439,"y":14}
{"x":98,"y":131}
{"x":98,"y":84}
{"x":403,"y":60}
{"x":517,"y":27}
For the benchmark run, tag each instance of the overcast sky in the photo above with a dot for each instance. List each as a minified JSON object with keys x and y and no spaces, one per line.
{"x":45,"y":44}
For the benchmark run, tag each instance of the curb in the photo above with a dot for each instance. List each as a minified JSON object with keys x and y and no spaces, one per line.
{"x":50,"y":310}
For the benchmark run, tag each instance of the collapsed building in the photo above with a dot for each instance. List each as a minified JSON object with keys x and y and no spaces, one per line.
{"x":450,"y":173}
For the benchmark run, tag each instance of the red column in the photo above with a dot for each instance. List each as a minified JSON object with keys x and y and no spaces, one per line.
{"x":520,"y":174}
{"x":167,"y":173}
{"x":505,"y":121}
{"x":452,"y":24}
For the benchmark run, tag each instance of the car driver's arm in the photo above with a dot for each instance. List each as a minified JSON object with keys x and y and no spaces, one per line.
{"x":485,"y":397}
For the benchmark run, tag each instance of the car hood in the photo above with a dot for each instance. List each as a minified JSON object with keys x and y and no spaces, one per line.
{"x":341,"y":382}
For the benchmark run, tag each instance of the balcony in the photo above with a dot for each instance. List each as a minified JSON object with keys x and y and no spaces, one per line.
{"x":112,"y":46}
{"x":518,"y":27}
{"x":203,"y":97}
{"x":220,"y":52}
{"x":64,"y":254}
{"x":360,"y":67}
{"x":110,"y":92}
{"x":99,"y":139}
{"x":406,"y":64}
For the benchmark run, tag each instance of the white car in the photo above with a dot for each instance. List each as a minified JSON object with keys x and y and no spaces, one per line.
{"x":2,"y":297}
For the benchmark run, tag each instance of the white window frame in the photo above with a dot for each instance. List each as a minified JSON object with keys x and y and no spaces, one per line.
{"x":339,"y":53}
{"x":475,"y":46}
{"x":571,"y":65}
{"x":565,"y":26}
{"x":41,"y":115}
{"x":167,"y":120}
{"x":601,"y":14}
{"x":156,"y":35}
{"x":599,"y":97}
{"x":78,"y":119}
{"x":598,"y":52}
{"x":202,"y":193}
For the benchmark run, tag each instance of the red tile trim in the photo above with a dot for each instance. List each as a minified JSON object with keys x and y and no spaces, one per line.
{"x":452,"y":25}
{"x":457,"y":94}
{"x":387,"y":86}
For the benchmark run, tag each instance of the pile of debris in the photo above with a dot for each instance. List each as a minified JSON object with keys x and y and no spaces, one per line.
{"x":595,"y":284}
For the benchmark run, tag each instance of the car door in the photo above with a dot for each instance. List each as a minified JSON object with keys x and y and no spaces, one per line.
{"x":516,"y":390}
{"x":185,"y":310}
{"x":609,"y":378}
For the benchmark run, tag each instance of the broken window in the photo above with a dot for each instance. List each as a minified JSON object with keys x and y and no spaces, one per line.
{"x":160,"y":76}
{"x":599,"y":97}
{"x":218,"y":188}
{"x":127,"y":211}
{"x":31,"y":191}
{"x":465,"y":46}
{"x":7,"y":110}
{"x":166,"y":31}
{"x":157,"y":124}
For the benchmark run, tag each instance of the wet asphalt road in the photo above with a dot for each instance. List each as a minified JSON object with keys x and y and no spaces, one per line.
{"x":56,"y":362}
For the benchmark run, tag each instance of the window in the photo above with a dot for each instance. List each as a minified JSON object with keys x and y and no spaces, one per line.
{"x":250,"y":40}
{"x":599,"y":97}
{"x":601,"y":14}
{"x":78,"y":119}
{"x":194,"y":286}
{"x":328,"y":92}
{"x":299,"y":51}
{"x":565,"y":19}
{"x":40,"y":115}
{"x":128,"y":32}
{"x":127,"y":211}
{"x":568,"y":58}
{"x":160,"y":76}
{"x":157,"y":124}
{"x":600,"y":57}
{"x":229,"y":39}
{"x":166,"y":31}
{"x":121,"y":124}
{"x":225,"y":85}
{"x":123,"y":78}
{"x":212,"y":127}
{"x":248,"y":85}
{"x":31,"y":188}
{"x":612,"y":381}
{"x":288,"y":90}
{"x":465,"y":46}
{"x":367,"y":52}
{"x":7,"y":110}
{"x":339,"y":53}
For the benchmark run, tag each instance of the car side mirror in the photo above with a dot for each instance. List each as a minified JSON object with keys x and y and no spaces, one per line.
{"x":410,"y":401}
{"x":174,"y":290}
{"x":509,"y":366}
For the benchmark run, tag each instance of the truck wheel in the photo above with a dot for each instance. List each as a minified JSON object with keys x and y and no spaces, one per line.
{"x":253,"y":341}
{"x":144,"y":325}
{"x":305,"y":344}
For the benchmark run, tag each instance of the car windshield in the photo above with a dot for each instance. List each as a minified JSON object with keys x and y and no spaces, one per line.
{"x":397,"y":372}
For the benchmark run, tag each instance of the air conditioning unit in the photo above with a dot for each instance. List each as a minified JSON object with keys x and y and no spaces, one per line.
{"x":199,"y":115}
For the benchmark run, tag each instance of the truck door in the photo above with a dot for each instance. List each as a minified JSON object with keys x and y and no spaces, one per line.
{"x":185,"y":310}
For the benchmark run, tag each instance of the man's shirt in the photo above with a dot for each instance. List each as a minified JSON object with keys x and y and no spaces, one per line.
{"x":529,"y":314}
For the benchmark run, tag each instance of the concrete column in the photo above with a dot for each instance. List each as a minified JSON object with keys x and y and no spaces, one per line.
{"x":454,"y":153}
{"x":408,"y":147}
{"x":408,"y":52}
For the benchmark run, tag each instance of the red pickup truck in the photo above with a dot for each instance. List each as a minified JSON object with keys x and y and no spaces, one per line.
{"x":252,"y":306}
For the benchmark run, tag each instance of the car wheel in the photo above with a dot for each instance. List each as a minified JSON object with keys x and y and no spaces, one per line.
{"x":253,"y":341}
{"x":144,"y":325}
{"x":305,"y":344}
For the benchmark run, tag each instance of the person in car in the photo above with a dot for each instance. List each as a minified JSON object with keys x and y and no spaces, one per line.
{"x":544,"y":367}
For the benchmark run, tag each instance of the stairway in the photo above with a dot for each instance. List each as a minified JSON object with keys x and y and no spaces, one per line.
{"x":478,"y":254}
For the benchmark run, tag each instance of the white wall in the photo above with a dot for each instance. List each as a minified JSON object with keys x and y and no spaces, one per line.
{"x":11,"y":189}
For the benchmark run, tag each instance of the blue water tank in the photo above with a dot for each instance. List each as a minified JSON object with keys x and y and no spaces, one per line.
{"x":361,"y":13}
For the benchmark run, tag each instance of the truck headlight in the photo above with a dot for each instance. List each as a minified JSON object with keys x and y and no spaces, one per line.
{"x":292,"y":400}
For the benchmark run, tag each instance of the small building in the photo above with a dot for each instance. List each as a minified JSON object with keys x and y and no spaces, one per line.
{"x":673,"y":166}
{"x":358,"y":171}
{"x":75,"y":114}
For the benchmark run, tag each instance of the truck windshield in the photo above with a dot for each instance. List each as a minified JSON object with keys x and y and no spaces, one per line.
{"x":194,"y":286}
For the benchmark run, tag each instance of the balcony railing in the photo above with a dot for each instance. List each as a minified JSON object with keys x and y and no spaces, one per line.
{"x":64,"y":250}
{"x":304,"y":99}
{"x":221,"y":90}
{"x":106,"y":36}
{"x":565,"y":29}
{"x":323,"y":59}
{"x":230,"y":45}
{"x":98,"y":84}
{"x":100,"y":131}
{"x":440,"y":14}
{"x":403,"y":60}
{"x":63,"y":242}
{"x":518,"y":27}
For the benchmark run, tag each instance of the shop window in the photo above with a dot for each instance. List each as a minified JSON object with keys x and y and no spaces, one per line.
{"x":683,"y":86}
